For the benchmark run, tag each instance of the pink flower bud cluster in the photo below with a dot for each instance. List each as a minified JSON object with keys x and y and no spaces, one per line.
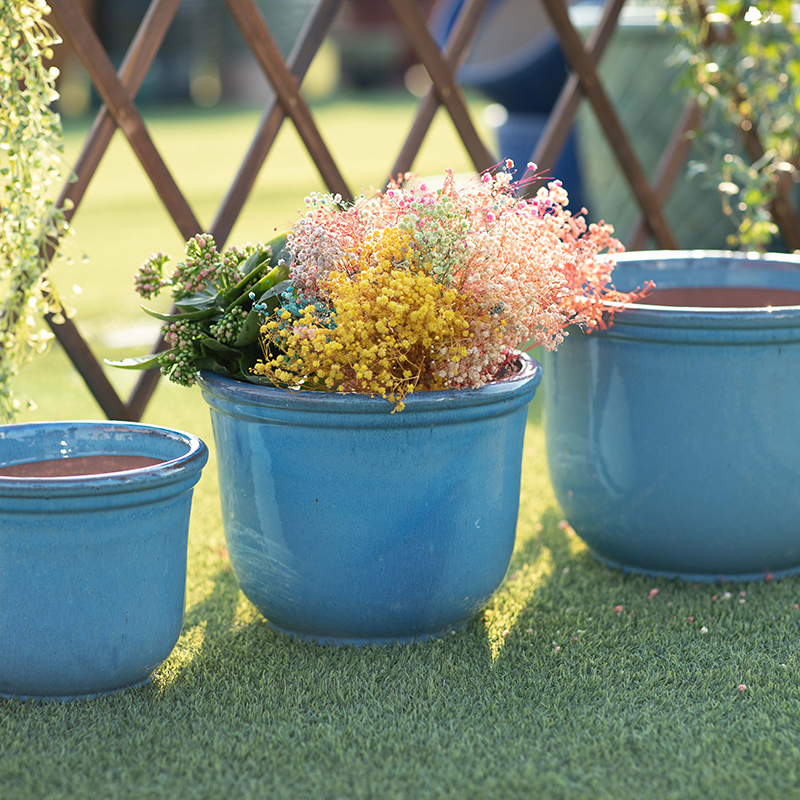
{"x":229,"y":326}
{"x":150,"y":280}
{"x":200,"y":267}
{"x":177,"y":363}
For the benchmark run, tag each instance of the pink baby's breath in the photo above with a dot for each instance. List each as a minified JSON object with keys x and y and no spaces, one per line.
{"x":527,"y":268}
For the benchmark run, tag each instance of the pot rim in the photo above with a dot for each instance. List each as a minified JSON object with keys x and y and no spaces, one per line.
{"x":648,"y":314}
{"x":229,"y":389}
{"x":162,"y":473}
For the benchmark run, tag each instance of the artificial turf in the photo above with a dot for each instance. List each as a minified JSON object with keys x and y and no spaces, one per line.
{"x":576,"y":681}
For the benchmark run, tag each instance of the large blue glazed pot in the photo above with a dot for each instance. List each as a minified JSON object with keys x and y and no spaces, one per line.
{"x":94,"y":519}
{"x":349,"y":524}
{"x":673,"y":438}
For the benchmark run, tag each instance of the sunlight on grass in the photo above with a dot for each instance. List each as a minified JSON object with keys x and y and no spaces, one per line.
{"x":575,"y":544}
{"x":189,"y":644}
{"x":518,"y":590}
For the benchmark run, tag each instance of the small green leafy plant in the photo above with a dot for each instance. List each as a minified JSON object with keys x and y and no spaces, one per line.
{"x":743,"y":67}
{"x":31,"y":163}
{"x":213,"y":326}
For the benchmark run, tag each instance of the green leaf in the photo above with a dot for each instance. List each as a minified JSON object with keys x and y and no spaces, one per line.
{"x":141,"y":362}
{"x":247,"y":361}
{"x":217,"y":347}
{"x":273,"y":278}
{"x":278,"y":245}
{"x":273,"y":292}
{"x":184,"y":315}
{"x":204,"y":299}
{"x":249,"y":332}
{"x":212,"y":365}
{"x":253,"y":268}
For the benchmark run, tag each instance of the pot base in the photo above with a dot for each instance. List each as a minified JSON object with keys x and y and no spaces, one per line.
{"x":343,"y":641}
{"x":694,"y":577}
{"x":68,"y":698}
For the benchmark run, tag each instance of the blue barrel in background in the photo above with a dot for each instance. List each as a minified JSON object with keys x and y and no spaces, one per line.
{"x":517,"y":62}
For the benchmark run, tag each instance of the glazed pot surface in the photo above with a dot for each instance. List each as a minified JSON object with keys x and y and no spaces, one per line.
{"x":94,"y":520}
{"x":348,"y":524}
{"x":673,"y":438}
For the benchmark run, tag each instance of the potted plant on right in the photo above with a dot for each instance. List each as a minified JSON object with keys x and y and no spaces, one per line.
{"x":742,"y":66}
{"x":673,"y":439}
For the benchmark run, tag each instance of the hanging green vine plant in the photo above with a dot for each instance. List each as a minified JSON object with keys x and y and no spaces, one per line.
{"x":742,"y":64}
{"x":31,"y":166}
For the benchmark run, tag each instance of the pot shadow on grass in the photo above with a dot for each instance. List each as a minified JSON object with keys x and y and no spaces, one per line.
{"x":225,"y":636}
{"x":556,"y":601}
{"x":268,"y":685}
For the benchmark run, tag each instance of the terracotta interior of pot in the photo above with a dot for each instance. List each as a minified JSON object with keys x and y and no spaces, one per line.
{"x":722,"y":297}
{"x":77,"y":465}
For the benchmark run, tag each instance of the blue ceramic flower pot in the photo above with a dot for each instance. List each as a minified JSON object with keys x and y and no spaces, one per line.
{"x":673,"y":438}
{"x":94,"y":519}
{"x":348,"y":524}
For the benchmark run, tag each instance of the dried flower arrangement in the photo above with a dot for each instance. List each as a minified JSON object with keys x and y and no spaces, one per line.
{"x":409,"y":289}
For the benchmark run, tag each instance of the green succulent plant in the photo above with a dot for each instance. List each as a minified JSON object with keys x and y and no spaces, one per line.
{"x":214,"y":325}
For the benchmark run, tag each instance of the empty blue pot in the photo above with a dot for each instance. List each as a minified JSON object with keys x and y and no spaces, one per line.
{"x":94,"y":519}
{"x":673,"y":438}
{"x":348,"y":524}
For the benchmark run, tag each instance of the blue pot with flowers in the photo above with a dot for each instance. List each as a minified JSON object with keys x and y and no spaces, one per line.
{"x":369,"y":399}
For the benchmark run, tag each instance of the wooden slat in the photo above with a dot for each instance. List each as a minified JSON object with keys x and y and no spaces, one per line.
{"x":408,"y":13}
{"x":456,"y":50}
{"x":582,"y":64}
{"x":126,"y":115}
{"x":559,"y":121}
{"x":259,"y":39}
{"x":69,"y":337}
{"x":311,"y":37}
{"x":781,"y":208}
{"x":309,"y":41}
{"x":669,"y":167}
{"x":135,"y":66}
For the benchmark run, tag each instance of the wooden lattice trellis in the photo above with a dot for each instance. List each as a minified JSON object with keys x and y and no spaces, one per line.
{"x":118,"y":91}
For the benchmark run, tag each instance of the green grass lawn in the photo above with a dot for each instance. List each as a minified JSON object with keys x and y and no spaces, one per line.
{"x":553,"y":691}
